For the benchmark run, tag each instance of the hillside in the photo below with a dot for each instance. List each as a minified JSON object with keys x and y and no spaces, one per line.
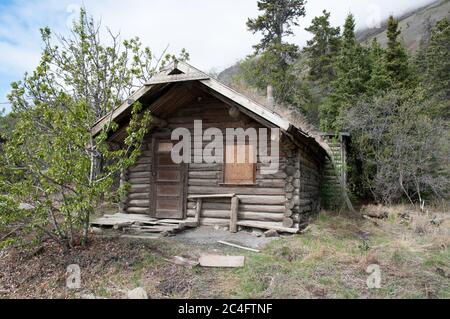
{"x":415,"y":25}
{"x":226,"y":76}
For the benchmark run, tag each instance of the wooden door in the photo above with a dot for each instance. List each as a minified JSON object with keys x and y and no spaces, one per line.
{"x":168,"y":185}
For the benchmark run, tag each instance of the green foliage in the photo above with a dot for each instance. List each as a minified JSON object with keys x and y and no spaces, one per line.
{"x":438,"y":53}
{"x":352,"y":69}
{"x":380,"y":80}
{"x":276,"y":21}
{"x":400,"y":124}
{"x":437,"y":65}
{"x":396,"y":56}
{"x":348,"y":35}
{"x":50,"y":169}
{"x":402,"y":148}
{"x":51,"y":160}
{"x":273,"y":60}
{"x":6,"y":124}
{"x":269,"y":68}
{"x":322,"y":49}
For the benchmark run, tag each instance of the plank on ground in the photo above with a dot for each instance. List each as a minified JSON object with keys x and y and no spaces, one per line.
{"x":238,"y":246}
{"x":222,"y":261}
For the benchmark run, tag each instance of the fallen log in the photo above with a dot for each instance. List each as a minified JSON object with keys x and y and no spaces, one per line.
{"x":377,"y":214}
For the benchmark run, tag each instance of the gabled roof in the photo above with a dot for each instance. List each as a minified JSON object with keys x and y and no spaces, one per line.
{"x":179,"y":72}
{"x":189,"y":73}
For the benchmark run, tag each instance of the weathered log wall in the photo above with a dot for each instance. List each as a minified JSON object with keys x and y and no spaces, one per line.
{"x":302,"y":182}
{"x":139,"y":177}
{"x":310,"y":183}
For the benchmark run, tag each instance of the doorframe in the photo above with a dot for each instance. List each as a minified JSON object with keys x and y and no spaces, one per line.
{"x":183,"y":170}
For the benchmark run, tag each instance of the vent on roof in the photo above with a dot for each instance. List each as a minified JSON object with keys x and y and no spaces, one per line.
{"x":175,"y":72}
{"x":175,"y":69}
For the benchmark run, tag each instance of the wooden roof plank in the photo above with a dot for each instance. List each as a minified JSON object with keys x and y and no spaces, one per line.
{"x":124,"y":106}
{"x":177,"y":78}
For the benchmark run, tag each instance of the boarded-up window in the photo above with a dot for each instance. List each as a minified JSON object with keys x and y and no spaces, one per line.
{"x":239,"y":170}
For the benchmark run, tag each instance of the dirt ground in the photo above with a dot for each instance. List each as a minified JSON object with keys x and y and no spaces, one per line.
{"x":329,"y":261}
{"x":208,"y":235}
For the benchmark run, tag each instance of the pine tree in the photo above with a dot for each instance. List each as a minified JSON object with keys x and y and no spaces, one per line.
{"x":322,"y":48}
{"x":273,"y":59}
{"x":437,"y":60}
{"x":352,"y":69}
{"x":276,"y":21}
{"x":348,"y":35}
{"x":352,"y":64}
{"x":379,"y":78}
{"x":396,"y":55}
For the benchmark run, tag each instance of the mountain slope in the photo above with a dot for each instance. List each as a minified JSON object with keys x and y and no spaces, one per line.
{"x":415,"y":26}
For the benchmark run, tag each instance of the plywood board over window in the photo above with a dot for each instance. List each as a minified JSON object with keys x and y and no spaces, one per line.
{"x":239,"y":170}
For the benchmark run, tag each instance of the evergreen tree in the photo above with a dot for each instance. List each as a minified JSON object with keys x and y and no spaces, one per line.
{"x":437,"y":58}
{"x":276,"y":21}
{"x":352,"y":69}
{"x":322,"y":48}
{"x":396,"y":55}
{"x":379,"y":78}
{"x":348,"y":35}
{"x":273,"y":59}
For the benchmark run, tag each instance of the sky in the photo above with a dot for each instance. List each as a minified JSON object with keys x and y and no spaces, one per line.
{"x":213,"y":31}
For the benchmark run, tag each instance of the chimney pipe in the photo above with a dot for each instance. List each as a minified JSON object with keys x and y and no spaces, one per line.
{"x":270,"y":99}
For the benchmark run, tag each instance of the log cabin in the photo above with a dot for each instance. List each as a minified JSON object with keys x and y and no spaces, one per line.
{"x":234,"y":195}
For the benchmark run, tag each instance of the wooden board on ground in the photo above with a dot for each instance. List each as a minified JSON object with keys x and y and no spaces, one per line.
{"x":238,"y":246}
{"x":222,"y":261}
{"x":105,"y":222}
{"x":153,"y":228}
{"x":139,"y":237}
{"x":185,"y":222}
{"x":133,"y":217}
